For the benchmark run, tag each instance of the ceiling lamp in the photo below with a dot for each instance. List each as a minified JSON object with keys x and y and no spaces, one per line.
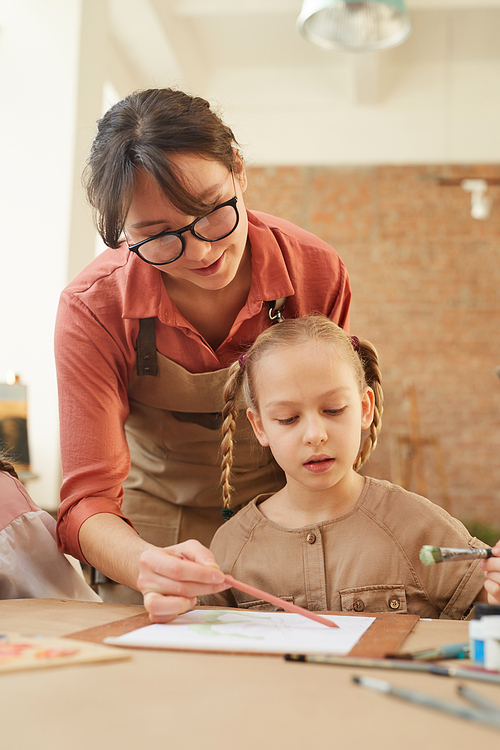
{"x":353,"y":25}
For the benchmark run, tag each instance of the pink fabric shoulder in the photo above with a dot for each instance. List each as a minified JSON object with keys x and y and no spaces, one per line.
{"x":14,"y":500}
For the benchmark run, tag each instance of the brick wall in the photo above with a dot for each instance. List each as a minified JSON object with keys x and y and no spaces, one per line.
{"x":426,"y":292}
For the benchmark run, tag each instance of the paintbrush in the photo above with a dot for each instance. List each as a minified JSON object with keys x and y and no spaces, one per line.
{"x":406,"y":665}
{"x":277,"y":601}
{"x":485,"y":716}
{"x":448,"y":651}
{"x":430,"y":555}
{"x":482,"y":703}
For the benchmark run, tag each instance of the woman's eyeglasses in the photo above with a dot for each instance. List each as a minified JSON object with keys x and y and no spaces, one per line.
{"x":166,"y":247}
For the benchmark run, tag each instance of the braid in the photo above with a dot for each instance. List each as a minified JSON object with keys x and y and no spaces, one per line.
{"x":229,"y":414}
{"x":373,"y":378}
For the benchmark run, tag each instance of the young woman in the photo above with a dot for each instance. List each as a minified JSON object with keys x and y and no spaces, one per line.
{"x":145,"y":335}
{"x":331,"y":539}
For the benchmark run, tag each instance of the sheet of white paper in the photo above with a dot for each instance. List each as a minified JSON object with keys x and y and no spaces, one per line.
{"x":262,"y":632}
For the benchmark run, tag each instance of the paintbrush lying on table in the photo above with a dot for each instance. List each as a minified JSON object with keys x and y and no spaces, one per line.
{"x":277,"y":601}
{"x":430,"y":555}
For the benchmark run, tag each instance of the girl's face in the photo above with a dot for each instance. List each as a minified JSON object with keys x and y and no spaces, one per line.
{"x":209,"y":265}
{"x":311,"y":413}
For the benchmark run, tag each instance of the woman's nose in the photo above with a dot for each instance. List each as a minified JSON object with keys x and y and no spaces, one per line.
{"x":195,"y":249}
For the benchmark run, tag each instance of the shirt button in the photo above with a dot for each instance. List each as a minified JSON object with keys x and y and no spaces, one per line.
{"x":358,"y":605}
{"x":311,"y":538}
{"x":394,"y":603}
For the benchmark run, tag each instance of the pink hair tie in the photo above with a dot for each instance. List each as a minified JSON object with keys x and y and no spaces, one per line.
{"x":355,"y":343}
{"x":242,"y":360}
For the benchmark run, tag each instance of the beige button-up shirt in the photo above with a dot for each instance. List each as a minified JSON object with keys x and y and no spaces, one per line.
{"x":366,"y":560}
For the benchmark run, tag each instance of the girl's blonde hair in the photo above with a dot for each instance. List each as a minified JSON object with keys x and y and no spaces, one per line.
{"x":360,"y":354}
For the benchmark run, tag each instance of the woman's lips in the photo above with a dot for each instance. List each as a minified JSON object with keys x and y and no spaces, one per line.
{"x":319,"y":464}
{"x":211,"y":269}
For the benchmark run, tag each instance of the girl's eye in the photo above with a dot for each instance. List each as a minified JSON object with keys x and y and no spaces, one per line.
{"x":335,"y":411}
{"x":290,"y":420}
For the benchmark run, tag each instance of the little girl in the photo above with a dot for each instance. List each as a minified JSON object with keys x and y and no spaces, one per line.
{"x":332,"y":539}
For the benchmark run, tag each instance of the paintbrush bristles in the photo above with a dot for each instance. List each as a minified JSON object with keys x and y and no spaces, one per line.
{"x":430,"y":555}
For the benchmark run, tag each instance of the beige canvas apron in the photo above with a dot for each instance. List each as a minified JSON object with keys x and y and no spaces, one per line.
{"x":173,"y":490}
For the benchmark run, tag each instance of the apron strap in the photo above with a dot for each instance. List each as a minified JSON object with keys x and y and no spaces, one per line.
{"x":147,"y":360}
{"x":146,"y":348}
{"x":276,"y":307}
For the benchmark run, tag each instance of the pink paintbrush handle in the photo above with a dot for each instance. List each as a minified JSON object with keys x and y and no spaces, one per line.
{"x":277,"y":601}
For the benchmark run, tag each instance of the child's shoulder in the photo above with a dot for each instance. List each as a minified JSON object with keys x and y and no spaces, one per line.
{"x":15,"y":500}
{"x":244,"y":520}
{"x":233,"y":534}
{"x":390,"y":501}
{"x":382,"y":489}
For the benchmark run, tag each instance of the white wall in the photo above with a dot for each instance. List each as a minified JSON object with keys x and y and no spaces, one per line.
{"x":38,"y":73}
{"x":55,"y":63}
{"x":52,"y":67}
{"x":436,"y":98}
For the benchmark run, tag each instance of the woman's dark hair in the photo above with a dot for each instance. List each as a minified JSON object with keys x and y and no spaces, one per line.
{"x":140,"y":132}
{"x":7,"y":467}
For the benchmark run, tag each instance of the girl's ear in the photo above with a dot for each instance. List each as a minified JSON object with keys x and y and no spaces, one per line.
{"x":257,"y":427}
{"x":367,"y":407}
{"x":239,"y":170}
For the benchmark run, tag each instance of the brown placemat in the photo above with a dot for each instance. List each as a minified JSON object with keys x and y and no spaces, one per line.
{"x":384,"y":636}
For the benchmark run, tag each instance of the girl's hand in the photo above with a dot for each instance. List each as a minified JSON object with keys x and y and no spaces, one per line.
{"x":491,"y":568}
{"x":171,"y":579}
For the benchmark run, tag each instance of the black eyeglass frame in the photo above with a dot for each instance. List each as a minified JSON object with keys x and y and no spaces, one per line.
{"x":189,"y":228}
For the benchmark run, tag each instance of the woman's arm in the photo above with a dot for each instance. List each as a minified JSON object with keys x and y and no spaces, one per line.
{"x":170,"y":578}
{"x":92,"y":370}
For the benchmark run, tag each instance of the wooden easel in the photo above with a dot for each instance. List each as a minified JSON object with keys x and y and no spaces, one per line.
{"x":408,"y":460}
{"x":14,"y":427}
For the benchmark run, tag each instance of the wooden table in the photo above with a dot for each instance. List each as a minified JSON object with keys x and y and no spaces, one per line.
{"x":199,"y":701}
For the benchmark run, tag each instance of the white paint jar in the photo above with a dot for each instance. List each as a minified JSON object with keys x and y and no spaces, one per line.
{"x":491,"y":634}
{"x":476,"y":641}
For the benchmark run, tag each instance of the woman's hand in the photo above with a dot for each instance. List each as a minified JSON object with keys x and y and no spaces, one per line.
{"x":491,"y":568}
{"x":171,"y":579}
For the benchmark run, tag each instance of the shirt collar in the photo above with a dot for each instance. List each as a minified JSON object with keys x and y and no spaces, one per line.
{"x":146,"y":297}
{"x":143,"y":290}
{"x":270,"y":277}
